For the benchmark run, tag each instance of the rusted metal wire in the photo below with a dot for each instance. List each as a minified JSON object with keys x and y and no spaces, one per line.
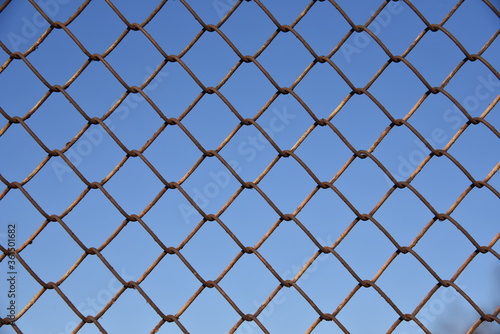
{"x":207,"y":153}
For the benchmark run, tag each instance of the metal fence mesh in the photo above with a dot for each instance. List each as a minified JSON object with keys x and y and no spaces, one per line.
{"x":206,"y":153}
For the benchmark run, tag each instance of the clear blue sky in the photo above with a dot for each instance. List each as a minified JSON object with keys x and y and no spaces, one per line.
{"x":326,"y":216}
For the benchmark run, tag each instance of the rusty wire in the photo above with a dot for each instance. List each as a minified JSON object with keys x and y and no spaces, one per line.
{"x":208,"y":153}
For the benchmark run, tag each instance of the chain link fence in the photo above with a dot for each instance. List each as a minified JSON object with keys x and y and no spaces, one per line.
{"x":231,"y":196}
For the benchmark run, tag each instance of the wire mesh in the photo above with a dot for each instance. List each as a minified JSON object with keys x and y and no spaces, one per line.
{"x":97,"y":127}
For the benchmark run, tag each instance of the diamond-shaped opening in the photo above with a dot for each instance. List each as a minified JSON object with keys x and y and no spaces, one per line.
{"x":134,"y":186}
{"x":83,"y":223}
{"x":100,"y":285}
{"x":404,"y":84}
{"x":182,"y":284}
{"x":223,"y":249}
{"x":135,"y":12}
{"x":446,"y":56}
{"x":401,"y":152}
{"x":475,"y":213}
{"x":172,"y":218}
{"x":322,"y":17}
{"x":323,"y":145}
{"x":284,"y":17}
{"x":285,"y":121}
{"x":288,"y":312}
{"x":25,"y":89}
{"x":172,"y":90}
{"x":35,"y":254}
{"x":248,"y":272}
{"x":211,"y":185}
{"x":55,"y":134}
{"x":198,"y":318}
{"x":23,"y":151}
{"x":173,"y":41}
{"x":62,"y":193}
{"x":288,"y":264}
{"x":480,"y":281}
{"x":375,"y":310}
{"x":248,"y":41}
{"x":363,"y":184}
{"x":131,"y":304}
{"x":370,"y":121}
{"x":403,"y":215}
{"x":210,"y":52}
{"x":248,"y":105}
{"x":396,"y":26}
{"x":60,"y":68}
{"x":441,"y":183}
{"x":326,"y":271}
{"x":475,"y":88}
{"x":119,"y":253}
{"x":360,"y":57}
{"x":287,"y":184}
{"x":470,"y":148}
{"x":203,"y":121}
{"x":172,"y":153}
{"x":249,"y":152}
{"x":322,"y":89}
{"x":365,"y":249}
{"x":136,"y":123}
{"x":134,"y":49}
{"x":448,"y":312}
{"x":98,"y":19}
{"x":438,"y":119}
{"x":444,"y":248}
{"x":285,"y":59}
{"x":35,"y":319}
{"x":95,"y":154}
{"x":326,"y":216}
{"x":249,"y":217}
{"x":482,"y":24}
{"x":18,"y":30}
{"x":96,"y":90}
{"x":405,"y":271}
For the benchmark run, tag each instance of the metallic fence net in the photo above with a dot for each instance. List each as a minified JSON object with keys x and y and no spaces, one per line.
{"x":255,"y":319}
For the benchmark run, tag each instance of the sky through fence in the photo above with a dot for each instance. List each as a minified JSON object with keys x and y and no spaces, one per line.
{"x":191,"y":166}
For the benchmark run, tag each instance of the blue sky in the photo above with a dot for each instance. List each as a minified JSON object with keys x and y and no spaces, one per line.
{"x":134,"y":121}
